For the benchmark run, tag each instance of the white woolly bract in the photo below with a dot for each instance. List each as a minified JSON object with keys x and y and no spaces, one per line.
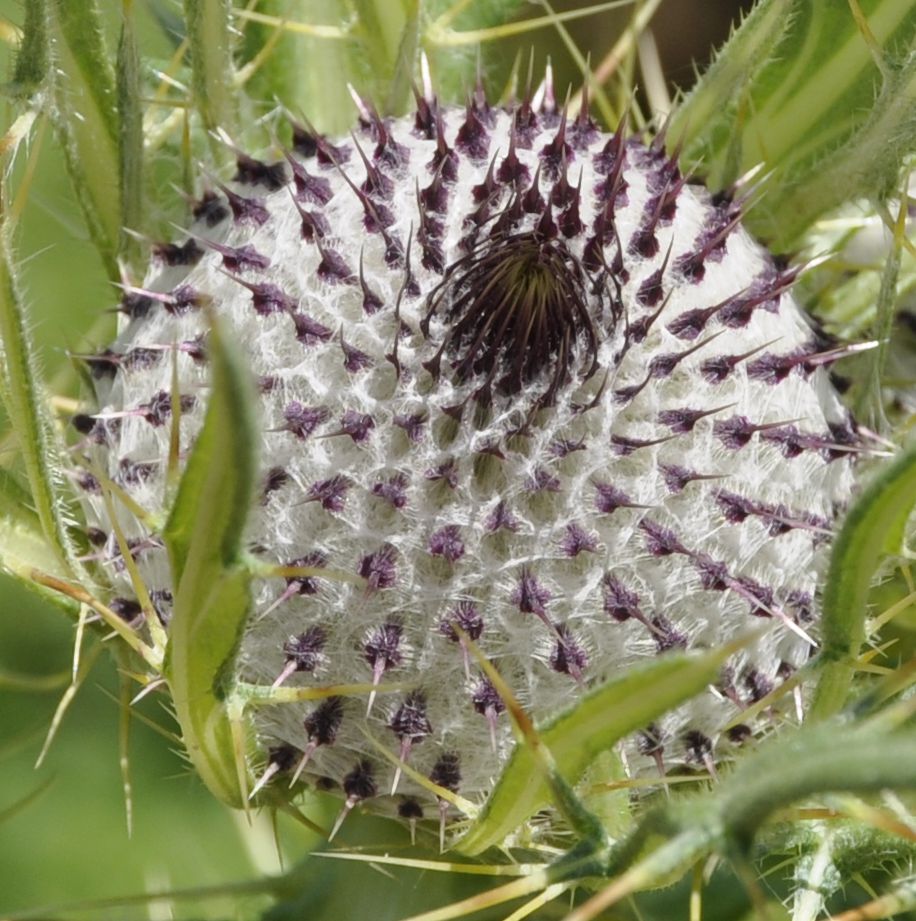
{"x":631,"y":523}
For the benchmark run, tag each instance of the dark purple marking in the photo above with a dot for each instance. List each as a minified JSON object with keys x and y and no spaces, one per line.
{"x":267,"y":298}
{"x":309,"y":331}
{"x":372,"y":303}
{"x":250,"y":171}
{"x":413,"y":424}
{"x":486,"y":699}
{"x":683,"y":420}
{"x":132,"y":473}
{"x":564,"y":447}
{"x":620,"y":602}
{"x":309,"y":143}
{"x":577,"y":540}
{"x":302,"y":584}
{"x":158,"y":409}
{"x":175,"y":254}
{"x":677,"y":478}
{"x":698,"y":746}
{"x":512,"y":171}
{"x":379,"y":568}
{"x":713,"y":574}
{"x":736,"y":432}
{"x":87,"y":482}
{"x":624,"y":446}
{"x":447,"y":543}
{"x":210,"y":209}
{"x":315,"y":190}
{"x":660,"y":541}
{"x":757,"y":684}
{"x":410,"y":721}
{"x":331,"y":493}
{"x":135,"y":305}
{"x":246,"y":210}
{"x":501,"y":518}
{"x":568,"y":656}
{"x":446,"y":472}
{"x":609,"y":498}
{"x":301,"y":420}
{"x":393,"y":490}
{"x":126,"y":608}
{"x":333,"y":268}
{"x":313,"y":225}
{"x":530,"y":596}
{"x":557,"y":152}
{"x":465,"y":615}
{"x":360,"y":783}
{"x":357,"y":425}
{"x":410,"y":809}
{"x":382,"y":649}
{"x":735,"y":508}
{"x":446,"y":771}
{"x":444,"y":161}
{"x":305,"y":649}
{"x":322,"y":724}
{"x":141,"y":359}
{"x":275,"y":478}
{"x":542,"y":480}
{"x":666,"y":635}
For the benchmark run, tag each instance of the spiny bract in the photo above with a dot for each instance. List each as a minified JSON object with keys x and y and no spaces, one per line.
{"x":519,"y":377}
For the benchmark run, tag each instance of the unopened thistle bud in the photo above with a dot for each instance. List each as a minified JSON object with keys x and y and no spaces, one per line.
{"x":527,"y":391}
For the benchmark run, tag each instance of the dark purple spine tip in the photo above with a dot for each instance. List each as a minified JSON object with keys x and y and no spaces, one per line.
{"x":410,"y":721}
{"x":530,"y":596}
{"x":360,"y":783}
{"x":210,"y":209}
{"x":302,"y":421}
{"x":250,"y":171}
{"x":175,"y":254}
{"x":446,"y":771}
{"x":382,"y":649}
{"x":568,"y":656}
{"x":322,"y":724}
{"x":305,"y":649}
{"x":447,"y":542}
{"x":379,"y":568}
{"x":467,"y":617}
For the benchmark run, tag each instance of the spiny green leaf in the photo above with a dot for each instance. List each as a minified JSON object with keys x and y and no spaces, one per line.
{"x":210,"y":42}
{"x":204,"y":537}
{"x":85,"y":118}
{"x":799,"y":89}
{"x":28,"y":413}
{"x":604,"y":715}
{"x":130,"y":128}
{"x":874,"y":525}
{"x":34,"y":56}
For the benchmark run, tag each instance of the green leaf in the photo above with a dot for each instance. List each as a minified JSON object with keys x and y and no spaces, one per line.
{"x":27,"y":410}
{"x":85,"y":117}
{"x":604,"y":715}
{"x":875,"y":525}
{"x":34,"y":56}
{"x":825,"y":106}
{"x":210,"y":43}
{"x":130,"y":129}
{"x":204,"y":538}
{"x":831,"y":758}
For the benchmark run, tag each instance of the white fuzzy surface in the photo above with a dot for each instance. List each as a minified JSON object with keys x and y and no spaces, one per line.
{"x":426,"y":588}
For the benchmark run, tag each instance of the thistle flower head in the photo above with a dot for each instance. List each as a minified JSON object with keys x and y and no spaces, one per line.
{"x":524,"y":387}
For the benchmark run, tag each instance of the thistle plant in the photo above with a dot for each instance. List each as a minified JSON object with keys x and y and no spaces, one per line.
{"x":468,"y":458}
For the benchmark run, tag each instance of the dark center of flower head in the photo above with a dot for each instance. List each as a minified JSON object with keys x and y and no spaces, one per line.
{"x":518,"y":314}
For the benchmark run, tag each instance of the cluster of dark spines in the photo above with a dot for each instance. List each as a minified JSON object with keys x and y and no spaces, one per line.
{"x":576,"y":306}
